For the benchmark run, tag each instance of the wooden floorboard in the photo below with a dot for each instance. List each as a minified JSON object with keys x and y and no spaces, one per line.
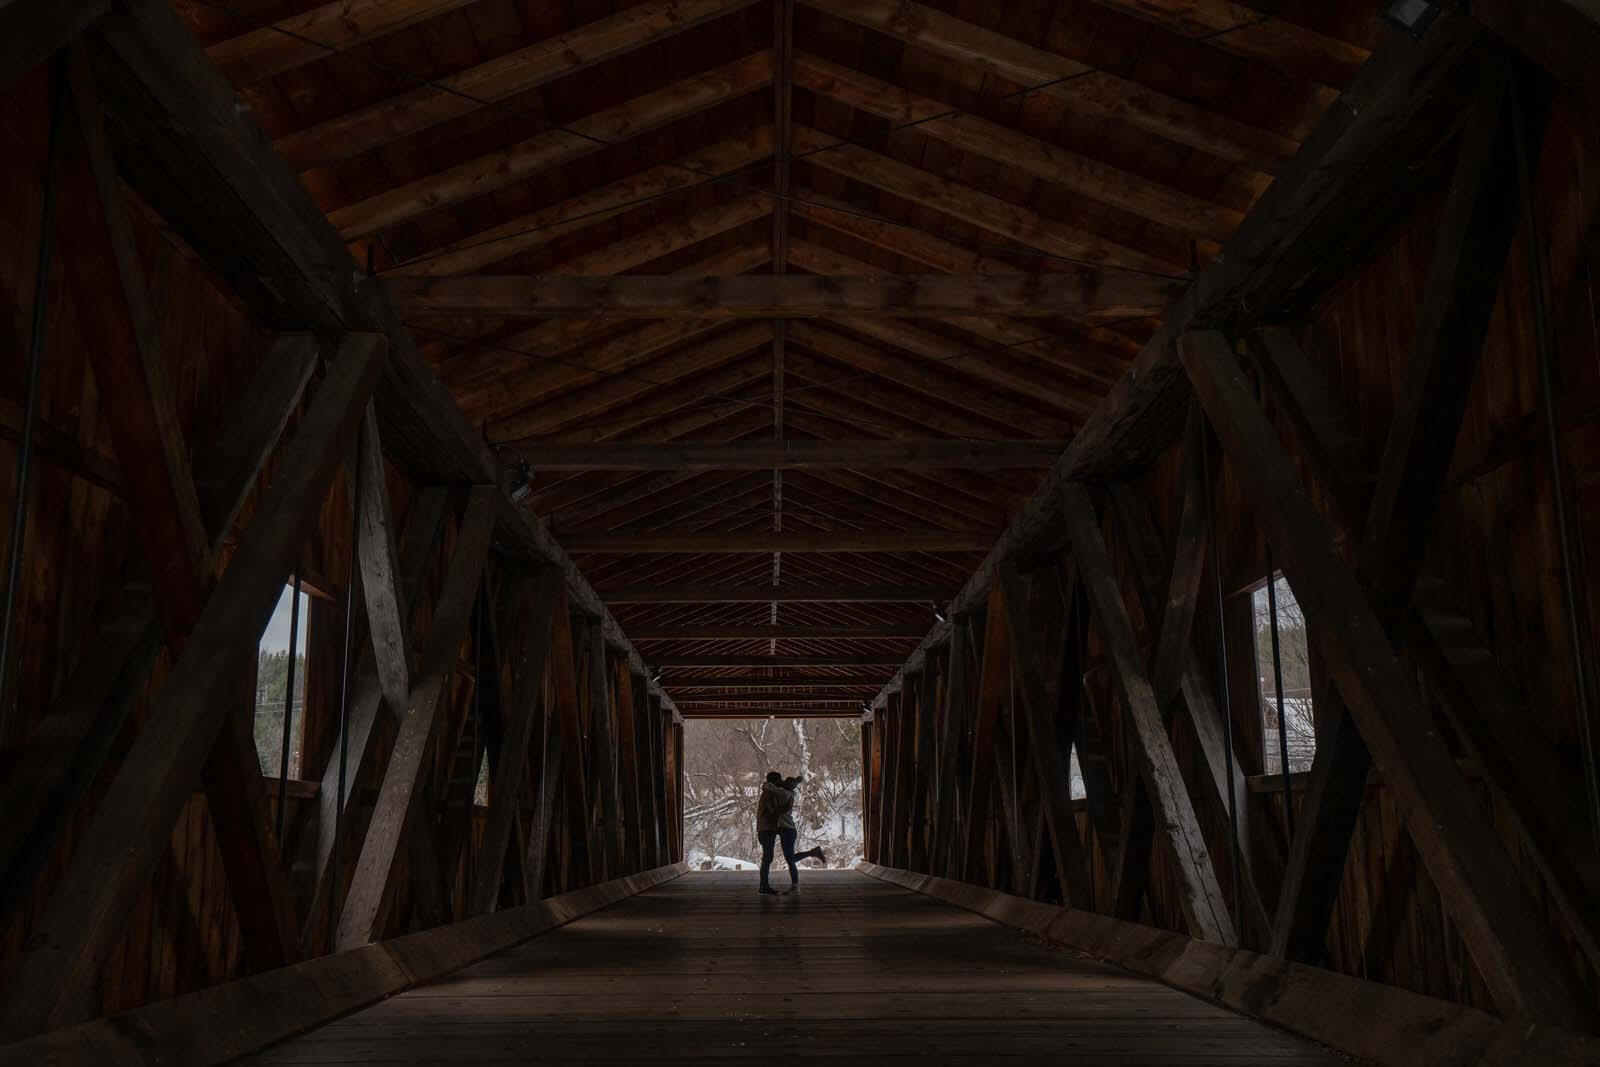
{"x":850,"y":968}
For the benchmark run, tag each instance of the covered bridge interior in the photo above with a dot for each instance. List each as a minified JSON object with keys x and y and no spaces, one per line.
{"x":1171,"y":428}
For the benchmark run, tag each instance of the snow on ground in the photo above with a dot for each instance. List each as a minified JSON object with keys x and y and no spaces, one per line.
{"x":699,"y":861}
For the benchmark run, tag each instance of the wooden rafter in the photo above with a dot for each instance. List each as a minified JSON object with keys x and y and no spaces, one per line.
{"x":1085,"y":293}
{"x":464,"y":92}
{"x":1075,"y":84}
{"x":501,"y":168}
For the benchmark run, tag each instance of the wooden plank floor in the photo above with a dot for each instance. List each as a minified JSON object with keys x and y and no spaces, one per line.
{"x":850,"y":968}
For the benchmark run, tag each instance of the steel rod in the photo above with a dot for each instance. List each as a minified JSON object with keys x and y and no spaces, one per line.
{"x":30,"y":413}
{"x":1277,"y":681}
{"x":344,"y":711}
{"x":1545,"y":341}
{"x":1222,"y":671}
{"x":288,"y":707}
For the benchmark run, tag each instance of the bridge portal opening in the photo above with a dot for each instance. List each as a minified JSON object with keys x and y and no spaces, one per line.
{"x":725,"y":762}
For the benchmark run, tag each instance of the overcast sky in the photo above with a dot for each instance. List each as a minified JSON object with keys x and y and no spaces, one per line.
{"x":276,"y":636}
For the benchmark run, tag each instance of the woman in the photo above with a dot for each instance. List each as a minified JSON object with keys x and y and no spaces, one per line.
{"x":774,"y":822}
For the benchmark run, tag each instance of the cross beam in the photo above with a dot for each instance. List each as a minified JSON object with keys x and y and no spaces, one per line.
{"x":763,"y":632}
{"x":1085,"y":292}
{"x":785,"y":541}
{"x":762,"y":594}
{"x":788,"y":454}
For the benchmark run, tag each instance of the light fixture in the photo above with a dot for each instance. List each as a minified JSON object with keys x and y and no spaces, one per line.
{"x":521,"y":482}
{"x":655,"y":679}
{"x":1413,"y":16}
{"x":937,"y":613}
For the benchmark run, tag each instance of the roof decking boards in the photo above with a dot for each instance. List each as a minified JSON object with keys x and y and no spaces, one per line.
{"x":1077,"y":165}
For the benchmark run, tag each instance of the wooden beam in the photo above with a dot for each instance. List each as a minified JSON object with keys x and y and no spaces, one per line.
{"x":505,"y":776}
{"x":263,"y":51}
{"x":1478,"y":697}
{"x":113,"y":860}
{"x":696,"y":593}
{"x":581,"y":137}
{"x":791,"y":454}
{"x":1205,"y":910}
{"x":1473,"y":238}
{"x":1561,"y":36}
{"x":628,"y":768}
{"x":1088,"y":292}
{"x":728,"y":660}
{"x":1089,"y":177}
{"x":105,"y":274}
{"x":64,"y":753}
{"x":464,"y":92}
{"x":762,"y":632}
{"x":203,"y":164}
{"x":128,"y":364}
{"x":31,"y":34}
{"x":784,"y":541}
{"x":568,"y":409}
{"x":742,"y":681}
{"x":373,"y":880}
{"x":424,"y":526}
{"x":1505,"y":931}
{"x":1039,"y":681}
{"x":664,"y":239}
{"x":1190,"y":540}
{"x":938,"y":401}
{"x":1255,"y":31}
{"x":1281,"y":259}
{"x":991,"y":213}
{"x":379,"y":561}
{"x":1078,"y":86}
{"x":994,"y":690}
{"x":1329,"y":811}
{"x":602,"y":731}
{"x":590,"y":208}
{"x":1194,"y":684}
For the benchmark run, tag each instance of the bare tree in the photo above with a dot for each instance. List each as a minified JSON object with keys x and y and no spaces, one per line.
{"x":726,"y":762}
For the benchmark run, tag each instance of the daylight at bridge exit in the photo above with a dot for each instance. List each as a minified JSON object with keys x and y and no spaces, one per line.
{"x":750,"y":531}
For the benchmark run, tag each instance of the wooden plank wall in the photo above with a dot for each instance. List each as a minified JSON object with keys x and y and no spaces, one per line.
{"x":183,"y":934}
{"x":1494,"y":544}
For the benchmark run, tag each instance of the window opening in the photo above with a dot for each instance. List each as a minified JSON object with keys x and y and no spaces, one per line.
{"x":1297,"y":734}
{"x":272,"y":682}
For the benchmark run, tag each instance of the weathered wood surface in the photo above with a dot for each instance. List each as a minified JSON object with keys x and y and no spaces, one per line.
{"x":1108,"y":295}
{"x":791,"y":454}
{"x":834,"y":971}
{"x":1374,"y":1022}
{"x":281,"y":1003}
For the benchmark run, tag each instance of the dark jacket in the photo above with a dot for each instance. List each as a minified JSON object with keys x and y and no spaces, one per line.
{"x":774,"y":807}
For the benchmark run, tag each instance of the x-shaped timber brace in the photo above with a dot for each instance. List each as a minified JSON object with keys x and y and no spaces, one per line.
{"x":493,"y":673}
{"x":951,"y":757}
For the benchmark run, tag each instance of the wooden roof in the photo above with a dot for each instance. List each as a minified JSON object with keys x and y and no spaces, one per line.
{"x":1113,"y":143}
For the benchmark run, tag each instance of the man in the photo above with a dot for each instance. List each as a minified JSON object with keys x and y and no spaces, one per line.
{"x":775,"y":822}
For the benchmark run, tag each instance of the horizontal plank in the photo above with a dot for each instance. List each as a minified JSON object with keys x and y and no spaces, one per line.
{"x":791,"y":454}
{"x":765,"y":594}
{"x":784,"y":541}
{"x":743,"y":681}
{"x":763,"y":632}
{"x":1374,"y":1022}
{"x":220,"y":1024}
{"x":1093,"y":292}
{"x":732,"y":660}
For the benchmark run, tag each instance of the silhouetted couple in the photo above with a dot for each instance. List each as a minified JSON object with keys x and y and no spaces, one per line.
{"x":775,"y":822}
